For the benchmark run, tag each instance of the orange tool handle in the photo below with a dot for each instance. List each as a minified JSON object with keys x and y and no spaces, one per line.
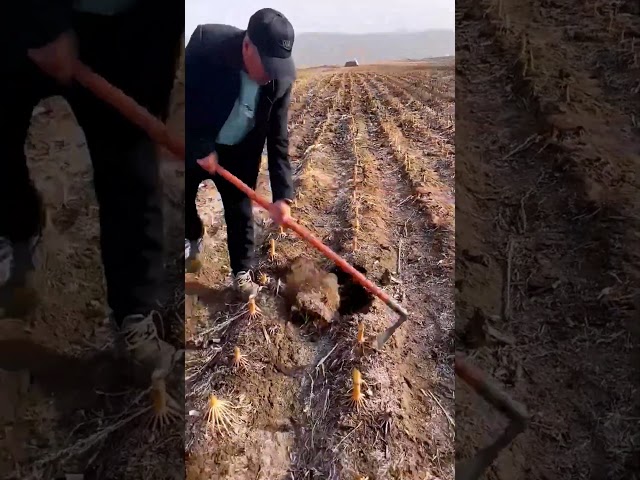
{"x":159,"y":133}
{"x":487,"y":389}
{"x":307,"y":236}
{"x":128,"y":107}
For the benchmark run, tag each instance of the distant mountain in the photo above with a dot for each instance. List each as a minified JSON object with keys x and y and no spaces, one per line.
{"x":314,"y":49}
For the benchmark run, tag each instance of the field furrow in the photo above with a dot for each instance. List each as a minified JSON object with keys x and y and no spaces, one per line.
{"x":419,"y":135}
{"x":312,"y":122}
{"x":300,"y":90}
{"x":428,"y":86}
{"x":435,"y":113}
{"x":436,"y":196}
{"x":306,"y":99}
{"x":407,"y":116}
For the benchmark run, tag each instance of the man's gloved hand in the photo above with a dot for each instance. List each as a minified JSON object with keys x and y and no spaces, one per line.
{"x":280,"y":212}
{"x":57,"y":58}
{"x":209,"y":163}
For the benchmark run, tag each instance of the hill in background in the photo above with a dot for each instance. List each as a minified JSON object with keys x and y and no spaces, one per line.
{"x":314,"y":49}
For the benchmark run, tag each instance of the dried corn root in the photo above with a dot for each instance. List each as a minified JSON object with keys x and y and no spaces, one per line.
{"x":240,"y":362}
{"x":274,"y":257}
{"x":253,"y":311}
{"x":356,"y":397}
{"x":263,"y":279}
{"x":361,"y":345}
{"x":164,"y":408}
{"x":360,"y":336}
{"x":220,"y":415}
{"x":272,"y":330}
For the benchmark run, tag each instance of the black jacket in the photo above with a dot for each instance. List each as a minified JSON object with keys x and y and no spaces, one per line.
{"x":213,"y":61}
{"x":33,"y":23}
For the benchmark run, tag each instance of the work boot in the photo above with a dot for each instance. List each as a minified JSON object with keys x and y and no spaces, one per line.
{"x":245,"y":287}
{"x":192,"y":251}
{"x":18,"y":295}
{"x":138,"y":339}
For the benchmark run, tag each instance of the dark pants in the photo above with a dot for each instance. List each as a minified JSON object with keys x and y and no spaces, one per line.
{"x":124,"y":50}
{"x":238,"y":212}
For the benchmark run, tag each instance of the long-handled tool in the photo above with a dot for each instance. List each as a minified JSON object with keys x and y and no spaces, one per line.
{"x":158,"y":132}
{"x":307,"y":236}
{"x":473,"y":468}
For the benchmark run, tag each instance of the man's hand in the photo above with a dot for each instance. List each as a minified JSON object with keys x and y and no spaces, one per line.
{"x":280,"y":212}
{"x":57,"y":58}
{"x":209,"y":163}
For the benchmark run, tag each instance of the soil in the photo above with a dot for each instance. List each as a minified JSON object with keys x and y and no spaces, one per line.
{"x":547,"y":207}
{"x":367,"y":181}
{"x":61,"y":384}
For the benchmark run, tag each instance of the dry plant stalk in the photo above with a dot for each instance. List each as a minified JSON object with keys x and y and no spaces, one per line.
{"x":240,"y":362}
{"x":356,"y":397}
{"x":164,"y":408}
{"x":220,"y":415}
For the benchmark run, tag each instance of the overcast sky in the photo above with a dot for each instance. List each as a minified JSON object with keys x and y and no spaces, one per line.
{"x":344,"y":16}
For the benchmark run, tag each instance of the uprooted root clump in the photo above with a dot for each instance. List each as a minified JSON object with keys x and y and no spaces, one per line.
{"x":312,"y":293}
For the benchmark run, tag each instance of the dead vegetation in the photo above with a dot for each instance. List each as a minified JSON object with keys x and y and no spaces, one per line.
{"x":323,"y":402}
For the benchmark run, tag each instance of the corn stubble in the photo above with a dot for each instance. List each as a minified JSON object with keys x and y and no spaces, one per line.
{"x":221,"y":417}
{"x":240,"y":363}
{"x":165,"y":410}
{"x":361,"y":347}
{"x":356,"y":396}
{"x":274,"y":257}
{"x":253,"y":312}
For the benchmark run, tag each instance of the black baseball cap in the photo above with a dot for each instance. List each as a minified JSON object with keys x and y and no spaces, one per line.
{"x":273,"y":35}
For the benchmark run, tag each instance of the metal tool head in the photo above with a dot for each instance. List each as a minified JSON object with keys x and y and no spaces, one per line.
{"x":473,"y":468}
{"x":386,"y":335}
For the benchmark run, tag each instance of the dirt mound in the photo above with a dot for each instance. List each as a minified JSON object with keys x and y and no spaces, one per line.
{"x":312,"y":293}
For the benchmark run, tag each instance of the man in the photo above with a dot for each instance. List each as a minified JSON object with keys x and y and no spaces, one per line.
{"x":112,"y":36}
{"x":238,"y":89}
